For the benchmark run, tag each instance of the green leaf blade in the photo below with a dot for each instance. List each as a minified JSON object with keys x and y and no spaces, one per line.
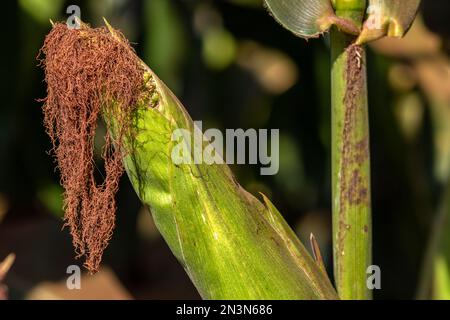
{"x":391,"y":18}
{"x":220,"y":233}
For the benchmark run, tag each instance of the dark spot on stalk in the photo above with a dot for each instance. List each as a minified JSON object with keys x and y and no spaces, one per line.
{"x":361,"y":152}
{"x":356,"y":191}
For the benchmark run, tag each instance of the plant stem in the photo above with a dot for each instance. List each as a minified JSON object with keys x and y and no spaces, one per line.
{"x":350,"y":159}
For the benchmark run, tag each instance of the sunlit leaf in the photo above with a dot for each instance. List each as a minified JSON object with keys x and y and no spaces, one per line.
{"x":391,"y":18}
{"x":209,"y":221}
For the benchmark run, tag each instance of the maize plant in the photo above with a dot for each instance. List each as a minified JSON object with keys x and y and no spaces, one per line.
{"x":231,"y":245}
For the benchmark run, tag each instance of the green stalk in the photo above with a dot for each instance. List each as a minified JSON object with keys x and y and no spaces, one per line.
{"x":350,"y":158}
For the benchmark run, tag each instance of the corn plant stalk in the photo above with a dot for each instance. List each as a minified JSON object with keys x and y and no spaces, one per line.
{"x":350,"y":158}
{"x":231,"y":245}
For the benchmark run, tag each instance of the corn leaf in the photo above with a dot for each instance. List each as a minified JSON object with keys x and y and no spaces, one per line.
{"x":391,"y":18}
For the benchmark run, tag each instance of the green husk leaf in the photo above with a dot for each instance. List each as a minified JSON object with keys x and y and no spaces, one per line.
{"x":231,"y":245}
{"x":391,"y":18}
{"x":307,"y":18}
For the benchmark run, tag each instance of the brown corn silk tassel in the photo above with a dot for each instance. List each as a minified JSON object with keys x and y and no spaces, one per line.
{"x":87,"y":71}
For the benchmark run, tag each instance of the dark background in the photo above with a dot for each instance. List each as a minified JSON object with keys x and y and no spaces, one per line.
{"x":232,"y":66}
